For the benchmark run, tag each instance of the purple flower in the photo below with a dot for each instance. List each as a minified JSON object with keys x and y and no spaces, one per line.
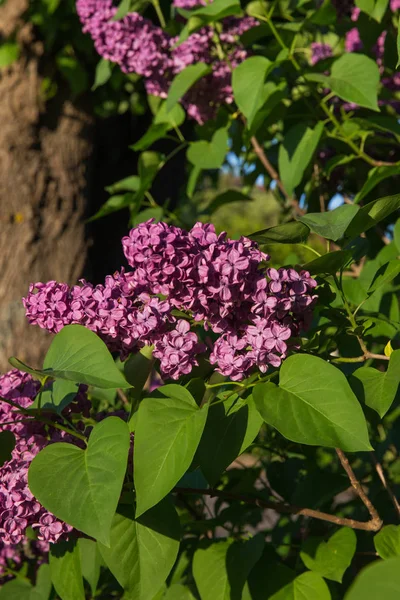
{"x":353,"y":41}
{"x":320,"y":52}
{"x":177,"y":350}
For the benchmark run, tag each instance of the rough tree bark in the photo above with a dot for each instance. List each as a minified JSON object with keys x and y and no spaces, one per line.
{"x":44,"y":158}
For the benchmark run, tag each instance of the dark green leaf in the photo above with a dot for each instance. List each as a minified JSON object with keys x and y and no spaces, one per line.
{"x":375,"y":176}
{"x":90,"y":562}
{"x":129,"y":184}
{"x":230,"y":428}
{"x":123,"y":8}
{"x":396,"y":235}
{"x":379,"y":389}
{"x":273,"y":95}
{"x":313,"y":404}
{"x":331,"y":558}
{"x":329,"y":263}
{"x":143,"y":551}
{"x":337,"y":161}
{"x":370,"y":215}
{"x":379,"y":580}
{"x":74,"y":73}
{"x":82,"y":487}
{"x":288,"y":233}
{"x":331,"y":224}
{"x":65,"y":570}
{"x":57,"y":396}
{"x":20,"y":589}
{"x":384,"y":274}
{"x":296,"y":152}
{"x":250,"y":75}
{"x":7,"y":445}
{"x":218,"y":9}
{"x":209,"y":155}
{"x":184,"y":81}
{"x":103,"y":73}
{"x":164,"y":453}
{"x":154,"y":133}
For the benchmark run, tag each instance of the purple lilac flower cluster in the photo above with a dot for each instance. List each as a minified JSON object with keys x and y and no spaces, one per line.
{"x":218,"y":285}
{"x":139,"y":46}
{"x":18,"y":507}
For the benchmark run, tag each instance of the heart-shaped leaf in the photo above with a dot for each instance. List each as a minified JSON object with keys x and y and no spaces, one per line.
{"x":387,"y":541}
{"x":250,"y":75}
{"x":143,"y":551}
{"x":378,"y":390}
{"x":82,"y":487}
{"x":307,"y":586}
{"x":167,"y":433}
{"x":333,"y":223}
{"x":330,"y":559}
{"x":209,"y":155}
{"x":313,"y":404}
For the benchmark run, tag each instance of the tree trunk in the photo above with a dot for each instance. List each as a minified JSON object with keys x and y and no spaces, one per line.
{"x":44,"y":155}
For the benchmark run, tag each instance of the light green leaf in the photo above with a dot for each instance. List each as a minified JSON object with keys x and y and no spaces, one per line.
{"x":218,"y":9}
{"x":114,"y":204}
{"x":230,"y":428}
{"x":373,"y":8}
{"x":178,"y":591}
{"x":123,"y":9}
{"x":184,"y":81}
{"x":65,"y":570}
{"x":155,"y":213}
{"x":331,"y":224}
{"x":209,"y":155}
{"x":379,"y":580}
{"x":314,"y":405}
{"x":82,"y":487}
{"x":9,"y":53}
{"x":142,"y":552}
{"x":57,"y":396}
{"x":103,"y":73}
{"x":7,"y":445}
{"x":296,"y":152}
{"x":164,"y":453}
{"x":288,"y":233}
{"x":220,"y":571}
{"x":331,"y":558}
{"x":387,"y":541}
{"x":308,"y":586}
{"x":379,"y":389}
{"x":90,"y":562}
{"x":329,"y":263}
{"x":250,"y":75}
{"x":272,"y":95}
{"x":129,"y":184}
{"x":375,"y":176}
{"x":384,"y":274}
{"x":173,"y":117}
{"x":371,"y":214}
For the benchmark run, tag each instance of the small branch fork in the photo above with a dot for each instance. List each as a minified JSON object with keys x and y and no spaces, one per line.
{"x":374,"y":524}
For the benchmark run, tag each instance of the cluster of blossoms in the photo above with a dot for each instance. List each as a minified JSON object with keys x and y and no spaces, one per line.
{"x":221,"y":287}
{"x":139,"y":46}
{"x":19,"y":509}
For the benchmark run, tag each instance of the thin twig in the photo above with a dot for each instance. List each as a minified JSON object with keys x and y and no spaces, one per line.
{"x":381,"y":475}
{"x":359,"y":359}
{"x":371,"y":525}
{"x":375,"y":518}
{"x":122,"y":397}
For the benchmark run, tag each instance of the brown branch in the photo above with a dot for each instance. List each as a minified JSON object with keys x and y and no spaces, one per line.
{"x":381,"y":475}
{"x":282,"y":508}
{"x":274,"y":175}
{"x":359,"y":359}
{"x":375,"y":518}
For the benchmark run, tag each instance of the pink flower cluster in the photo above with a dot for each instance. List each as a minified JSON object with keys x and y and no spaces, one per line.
{"x":139,"y":46}
{"x":245,"y":312}
{"x":18,"y":507}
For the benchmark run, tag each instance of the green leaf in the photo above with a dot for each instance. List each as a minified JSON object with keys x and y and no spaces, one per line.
{"x":221,"y":570}
{"x":250,"y":75}
{"x":90,"y":562}
{"x":379,"y":389}
{"x":330,"y":559}
{"x":164,"y":453}
{"x":103,"y":73}
{"x":379,"y":580}
{"x":77,"y":354}
{"x":331,"y":224}
{"x":272,"y":95}
{"x":313,"y":405}
{"x":173,"y":117}
{"x":296,"y":152}
{"x":398,"y":48}
{"x":337,"y":161}
{"x":82,"y":487}
{"x":354,"y":78}
{"x":218,"y":9}
{"x":373,"y":8}
{"x":384,"y":275}
{"x":143,"y":551}
{"x":155,"y":213}
{"x":57,"y":396}
{"x":65,"y":570}
{"x":387,"y":541}
{"x":129,"y":184}
{"x":226,"y":198}
{"x":231,"y":427}
{"x":74,"y":73}
{"x":178,"y":591}
{"x":375,"y":176}
{"x":155,"y":132}
{"x":329,"y":263}
{"x":396,"y":235}
{"x":20,"y":589}
{"x":288,"y":233}
{"x":148,"y":167}
{"x":7,"y":445}
{"x":184,"y":81}
{"x":370,"y":215}
{"x":209,"y":155}
{"x":9,"y":53}
{"x":123,"y":8}
{"x":308,"y":586}
{"x":114,"y":204}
